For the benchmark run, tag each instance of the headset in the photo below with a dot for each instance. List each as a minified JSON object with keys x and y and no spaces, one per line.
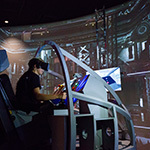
{"x":39,"y":64}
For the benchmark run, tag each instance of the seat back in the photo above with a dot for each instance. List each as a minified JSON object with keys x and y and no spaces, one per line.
{"x":7,"y":91}
{"x":4,"y":63}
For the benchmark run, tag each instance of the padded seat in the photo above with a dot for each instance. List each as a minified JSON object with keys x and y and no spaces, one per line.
{"x":7,"y":91}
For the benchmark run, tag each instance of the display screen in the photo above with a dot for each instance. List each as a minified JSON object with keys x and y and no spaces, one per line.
{"x":112,"y":77}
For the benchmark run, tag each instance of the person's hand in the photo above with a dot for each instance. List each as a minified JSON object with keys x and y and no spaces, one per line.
{"x":64,"y":95}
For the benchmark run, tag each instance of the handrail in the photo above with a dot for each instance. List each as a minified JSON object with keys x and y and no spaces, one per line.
{"x":107,"y":105}
{"x":72,"y":124}
{"x":87,"y":98}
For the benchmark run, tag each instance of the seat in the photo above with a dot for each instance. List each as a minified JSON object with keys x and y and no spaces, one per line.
{"x":20,"y":117}
{"x":23,"y":130}
{"x":7,"y":91}
{"x":5,"y":85}
{"x":7,"y":128}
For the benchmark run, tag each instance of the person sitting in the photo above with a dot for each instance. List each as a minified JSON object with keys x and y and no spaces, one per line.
{"x":28,"y":95}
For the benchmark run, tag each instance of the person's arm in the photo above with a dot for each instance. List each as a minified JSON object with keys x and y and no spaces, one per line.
{"x":44,"y":97}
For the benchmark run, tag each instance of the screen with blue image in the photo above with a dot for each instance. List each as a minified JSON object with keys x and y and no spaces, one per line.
{"x":112,"y":77}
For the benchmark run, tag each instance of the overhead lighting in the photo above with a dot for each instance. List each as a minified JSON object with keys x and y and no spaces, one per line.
{"x":6,"y":21}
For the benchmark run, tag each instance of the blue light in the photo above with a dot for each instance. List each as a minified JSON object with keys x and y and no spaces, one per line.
{"x":56,"y":101}
{"x":82,"y":83}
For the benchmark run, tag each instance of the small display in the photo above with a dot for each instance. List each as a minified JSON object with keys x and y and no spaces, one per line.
{"x":112,"y":77}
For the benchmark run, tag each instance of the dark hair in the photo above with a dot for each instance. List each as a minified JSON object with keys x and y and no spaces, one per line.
{"x":39,"y":64}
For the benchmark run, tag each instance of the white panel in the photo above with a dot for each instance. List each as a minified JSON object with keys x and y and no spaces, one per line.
{"x":95,"y":88}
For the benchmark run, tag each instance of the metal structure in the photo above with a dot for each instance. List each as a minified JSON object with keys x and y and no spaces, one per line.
{"x":95,"y":128}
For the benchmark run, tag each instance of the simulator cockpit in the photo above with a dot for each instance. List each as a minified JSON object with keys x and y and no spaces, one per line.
{"x":85,"y":120}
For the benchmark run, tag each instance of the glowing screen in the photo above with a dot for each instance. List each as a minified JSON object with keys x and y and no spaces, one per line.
{"x":112,"y":77}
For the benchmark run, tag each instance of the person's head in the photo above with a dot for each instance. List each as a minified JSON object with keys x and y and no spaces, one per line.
{"x":38,"y":66}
